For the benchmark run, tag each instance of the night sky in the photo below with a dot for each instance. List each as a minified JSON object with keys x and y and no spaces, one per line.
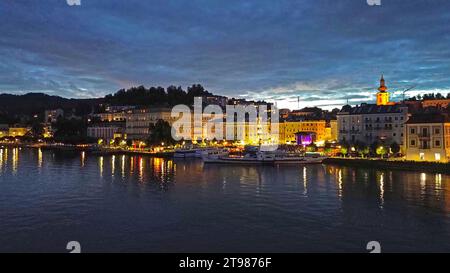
{"x":325,"y":51}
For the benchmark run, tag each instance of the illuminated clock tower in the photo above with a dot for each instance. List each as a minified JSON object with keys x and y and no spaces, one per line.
{"x":382,"y":95}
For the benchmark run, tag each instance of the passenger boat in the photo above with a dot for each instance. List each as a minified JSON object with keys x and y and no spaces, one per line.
{"x":298,"y":160}
{"x":184,"y":153}
{"x":308,"y":158}
{"x":258,"y":158}
{"x":261,"y":157}
{"x":200,"y":153}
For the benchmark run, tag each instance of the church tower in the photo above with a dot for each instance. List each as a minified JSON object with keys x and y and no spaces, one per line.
{"x":382,"y":95}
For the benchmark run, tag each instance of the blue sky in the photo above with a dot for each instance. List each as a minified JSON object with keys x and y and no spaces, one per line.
{"x":323,"y":51}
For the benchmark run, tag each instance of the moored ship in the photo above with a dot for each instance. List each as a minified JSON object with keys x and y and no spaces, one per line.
{"x":262,"y":157}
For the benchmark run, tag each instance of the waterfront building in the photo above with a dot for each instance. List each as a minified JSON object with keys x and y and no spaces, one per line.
{"x":138,"y":121}
{"x":428,"y":138}
{"x":305,"y":138}
{"x":369,"y":123}
{"x":290,"y":128}
{"x":306,"y":112}
{"x":111,"y":116}
{"x":254,"y":133}
{"x":118,"y":108}
{"x":17,"y":131}
{"x":438,"y":103}
{"x":107,"y":131}
{"x":4,"y":130}
{"x":382,"y":122}
{"x":331,"y":131}
{"x":51,"y":116}
{"x":414,"y":106}
{"x":215,"y":100}
{"x":284,"y":113}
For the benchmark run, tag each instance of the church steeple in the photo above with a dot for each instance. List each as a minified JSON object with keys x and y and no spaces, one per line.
{"x":383,"y":95}
{"x":382,"y":87}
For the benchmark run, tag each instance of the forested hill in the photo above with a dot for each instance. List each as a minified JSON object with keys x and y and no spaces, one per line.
{"x":13,"y":107}
{"x":156,"y":96}
{"x":36,"y":103}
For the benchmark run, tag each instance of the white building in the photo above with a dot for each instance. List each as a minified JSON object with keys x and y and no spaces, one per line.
{"x":118,"y":116}
{"x":369,"y":123}
{"x":107,"y":131}
{"x":382,"y":122}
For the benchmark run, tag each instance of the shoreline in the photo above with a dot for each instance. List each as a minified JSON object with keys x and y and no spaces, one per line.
{"x":402,"y":165}
{"x":416,"y":166}
{"x":87,"y":149}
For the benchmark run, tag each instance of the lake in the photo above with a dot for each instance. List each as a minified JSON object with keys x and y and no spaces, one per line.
{"x":144,"y":204}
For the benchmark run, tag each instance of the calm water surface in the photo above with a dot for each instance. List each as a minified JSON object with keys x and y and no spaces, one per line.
{"x":142,"y":204}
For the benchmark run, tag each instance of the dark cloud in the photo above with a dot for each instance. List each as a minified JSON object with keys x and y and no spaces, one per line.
{"x":319,"y":50}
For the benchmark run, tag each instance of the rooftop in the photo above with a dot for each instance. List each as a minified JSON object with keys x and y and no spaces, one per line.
{"x":371,"y":109}
{"x":428,"y":118}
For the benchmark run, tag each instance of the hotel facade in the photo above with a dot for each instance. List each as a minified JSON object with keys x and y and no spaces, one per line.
{"x":382,"y":122}
{"x":428,"y":138}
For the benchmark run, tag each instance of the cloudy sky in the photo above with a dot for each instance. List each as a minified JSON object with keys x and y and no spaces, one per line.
{"x":323,"y":51}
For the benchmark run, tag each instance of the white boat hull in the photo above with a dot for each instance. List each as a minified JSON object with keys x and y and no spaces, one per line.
{"x":253,"y":161}
{"x":184,"y":154}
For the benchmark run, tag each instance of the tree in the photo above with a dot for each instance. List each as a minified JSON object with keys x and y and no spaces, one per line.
{"x":161,"y":132}
{"x":156,"y":96}
{"x":395,"y":148}
{"x":37,"y":130}
{"x":381,"y":151}
{"x":359,"y":147}
{"x":328,"y":148}
{"x":311,"y":148}
{"x":71,"y":131}
{"x":373,"y":147}
{"x":344,"y":148}
{"x":364,"y":151}
{"x":176,"y":95}
{"x":118,"y":141}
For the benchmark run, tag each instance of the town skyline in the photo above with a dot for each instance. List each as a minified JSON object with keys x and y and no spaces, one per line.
{"x":371,"y":99}
{"x":241,"y":128}
{"x":260,"y":51}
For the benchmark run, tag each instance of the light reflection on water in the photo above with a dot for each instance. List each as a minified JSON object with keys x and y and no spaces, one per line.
{"x":138,"y":203}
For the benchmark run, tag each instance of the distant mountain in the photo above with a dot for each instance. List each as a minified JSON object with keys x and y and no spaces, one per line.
{"x":13,"y":108}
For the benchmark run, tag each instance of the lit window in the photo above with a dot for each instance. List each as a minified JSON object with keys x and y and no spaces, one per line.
{"x":422,"y":156}
{"x":437,"y":156}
